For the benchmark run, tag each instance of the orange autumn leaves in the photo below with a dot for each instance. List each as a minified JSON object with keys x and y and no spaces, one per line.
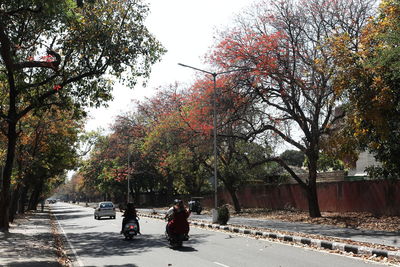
{"x":190,"y":112}
{"x":256,"y":51}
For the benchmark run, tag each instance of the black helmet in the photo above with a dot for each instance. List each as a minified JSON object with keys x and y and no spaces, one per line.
{"x":178,"y":202}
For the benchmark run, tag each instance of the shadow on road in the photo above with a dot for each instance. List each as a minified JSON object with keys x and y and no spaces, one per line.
{"x":24,"y":245}
{"x":95,"y":244}
{"x":33,"y":264}
{"x":185,"y":249}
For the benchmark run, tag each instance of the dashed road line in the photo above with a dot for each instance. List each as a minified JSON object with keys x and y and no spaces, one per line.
{"x":220,"y":264}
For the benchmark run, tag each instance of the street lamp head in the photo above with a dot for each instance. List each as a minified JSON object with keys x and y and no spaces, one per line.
{"x":194,"y":68}
{"x":183,"y":65}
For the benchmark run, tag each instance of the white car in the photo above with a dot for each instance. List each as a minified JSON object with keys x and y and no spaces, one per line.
{"x":105,"y":209}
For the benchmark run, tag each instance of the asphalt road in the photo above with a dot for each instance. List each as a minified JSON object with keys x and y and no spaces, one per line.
{"x":98,"y":243}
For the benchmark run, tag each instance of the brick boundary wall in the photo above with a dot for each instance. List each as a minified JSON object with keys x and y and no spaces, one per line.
{"x":379,"y":197}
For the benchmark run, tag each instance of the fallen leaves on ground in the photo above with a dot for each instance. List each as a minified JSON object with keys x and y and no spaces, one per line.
{"x":355,"y":220}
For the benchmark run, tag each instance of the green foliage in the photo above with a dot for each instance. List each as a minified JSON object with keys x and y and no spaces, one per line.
{"x":242,"y":162}
{"x":275,"y":173}
{"x":293,"y":157}
{"x":328,"y":163}
{"x":55,"y":53}
{"x":223,"y":215}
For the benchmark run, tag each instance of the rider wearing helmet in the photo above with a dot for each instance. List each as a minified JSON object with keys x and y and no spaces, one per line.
{"x":130,"y":214}
{"x":177,"y":218}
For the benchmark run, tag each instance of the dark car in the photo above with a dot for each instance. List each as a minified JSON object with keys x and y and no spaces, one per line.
{"x":195,"y":205}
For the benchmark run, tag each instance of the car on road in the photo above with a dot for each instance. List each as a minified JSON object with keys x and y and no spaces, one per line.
{"x":104,"y":209}
{"x":195,"y":205}
{"x":51,"y":201}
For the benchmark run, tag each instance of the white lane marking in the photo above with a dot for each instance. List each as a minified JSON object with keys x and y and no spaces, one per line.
{"x":220,"y":264}
{"x":69,"y":243}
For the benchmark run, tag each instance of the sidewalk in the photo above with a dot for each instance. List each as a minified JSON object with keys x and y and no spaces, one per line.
{"x":30,"y":242}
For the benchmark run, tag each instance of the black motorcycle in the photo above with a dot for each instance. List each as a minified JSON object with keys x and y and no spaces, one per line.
{"x":130,"y":229}
{"x":176,"y":240}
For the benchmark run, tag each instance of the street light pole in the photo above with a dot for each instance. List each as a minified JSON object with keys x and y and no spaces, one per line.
{"x":215,"y":152}
{"x":215,"y":141}
{"x":128,"y":176}
{"x":214,"y":75}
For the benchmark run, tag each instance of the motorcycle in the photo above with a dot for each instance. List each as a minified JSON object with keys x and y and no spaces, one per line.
{"x":176,"y":240}
{"x":175,"y":236}
{"x":130,"y":229}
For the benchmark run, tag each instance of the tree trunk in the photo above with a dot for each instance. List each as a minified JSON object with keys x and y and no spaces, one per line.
{"x":34,"y":199}
{"x":23,"y":198}
{"x":313,"y":206}
{"x":312,"y":195}
{"x":14,"y":202}
{"x":235,"y":200}
{"x":8,"y":167}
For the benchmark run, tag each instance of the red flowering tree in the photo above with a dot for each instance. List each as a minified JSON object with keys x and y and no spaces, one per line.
{"x":288,"y":77}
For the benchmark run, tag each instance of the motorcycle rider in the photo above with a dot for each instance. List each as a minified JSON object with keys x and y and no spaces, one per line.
{"x":130,"y":214}
{"x":177,"y":218}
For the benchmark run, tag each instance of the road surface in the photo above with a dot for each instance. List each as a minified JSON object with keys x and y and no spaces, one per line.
{"x":98,"y":243}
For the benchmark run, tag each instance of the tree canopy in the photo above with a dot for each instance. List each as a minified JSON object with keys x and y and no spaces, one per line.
{"x":56,"y":53}
{"x":370,"y":78}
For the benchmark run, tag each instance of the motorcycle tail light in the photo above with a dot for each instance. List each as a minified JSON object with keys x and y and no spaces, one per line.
{"x":131,"y":227}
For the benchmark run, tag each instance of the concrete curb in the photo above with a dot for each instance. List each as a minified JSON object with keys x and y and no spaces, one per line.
{"x":359,"y":250}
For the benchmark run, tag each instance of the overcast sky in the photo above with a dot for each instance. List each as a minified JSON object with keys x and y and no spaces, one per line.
{"x":186,"y":28}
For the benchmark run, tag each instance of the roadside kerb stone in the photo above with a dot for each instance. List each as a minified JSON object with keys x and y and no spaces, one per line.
{"x":272,"y":235}
{"x":215,"y":226}
{"x":326,"y":244}
{"x":350,"y":248}
{"x":297,"y":239}
{"x":380,"y":253}
{"x":288,"y":238}
{"x":394,"y":255}
{"x":364,"y":251}
{"x":340,"y":246}
{"x":359,"y":250}
{"x":305,"y":241}
{"x":316,"y":243}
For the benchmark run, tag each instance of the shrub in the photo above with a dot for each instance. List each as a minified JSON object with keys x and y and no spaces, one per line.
{"x":223,"y":215}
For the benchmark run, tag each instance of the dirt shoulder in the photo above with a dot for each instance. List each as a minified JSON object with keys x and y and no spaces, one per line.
{"x":354,"y":220}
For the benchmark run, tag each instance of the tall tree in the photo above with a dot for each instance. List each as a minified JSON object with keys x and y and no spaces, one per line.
{"x":54,"y":52}
{"x":47,"y":147}
{"x":289,"y":70}
{"x":370,"y":77}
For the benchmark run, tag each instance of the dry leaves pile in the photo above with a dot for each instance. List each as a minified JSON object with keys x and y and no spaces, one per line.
{"x":59,"y":244}
{"x":356,"y":220}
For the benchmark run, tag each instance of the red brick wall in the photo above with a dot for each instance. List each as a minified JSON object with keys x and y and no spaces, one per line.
{"x":378,"y":197}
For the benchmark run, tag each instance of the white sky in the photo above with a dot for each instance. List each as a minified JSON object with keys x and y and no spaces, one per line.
{"x":186,"y":29}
